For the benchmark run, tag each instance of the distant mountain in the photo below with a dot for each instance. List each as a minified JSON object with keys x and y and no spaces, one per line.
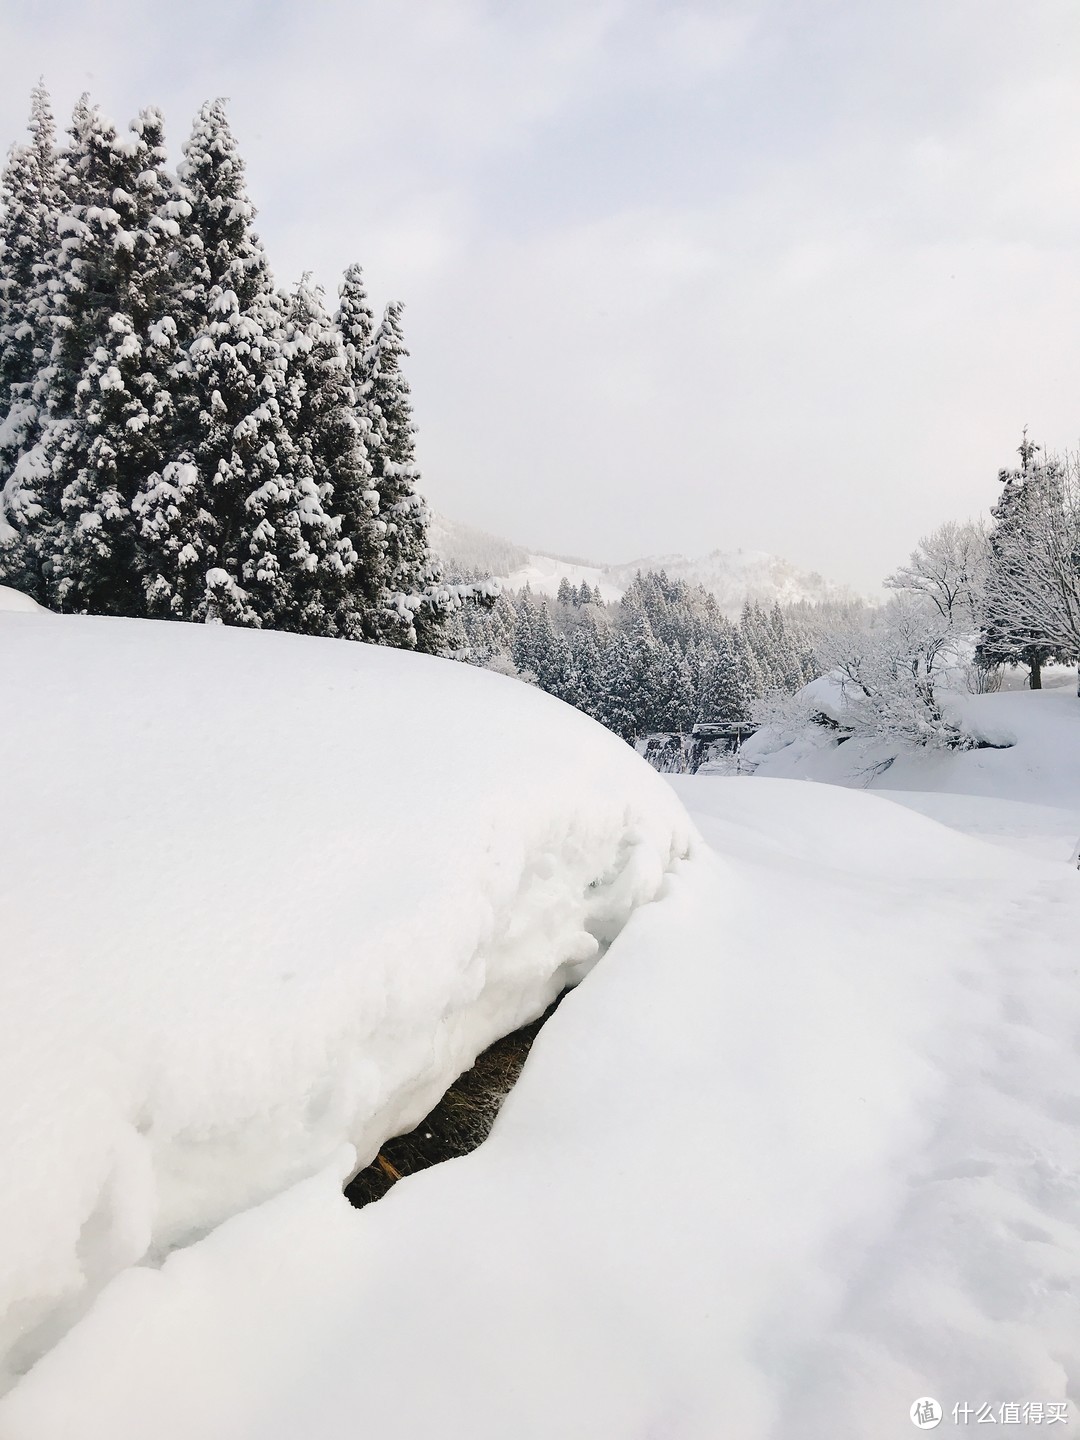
{"x":733,"y":576}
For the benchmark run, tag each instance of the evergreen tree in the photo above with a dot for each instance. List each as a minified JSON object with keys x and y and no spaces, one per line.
{"x":615,"y":701}
{"x":239,"y":530}
{"x":1016,"y":602}
{"x":342,"y":594}
{"x":749,"y":678}
{"x":721,"y":693}
{"x":110,"y":399}
{"x":415,"y":602}
{"x":588,"y":668}
{"x":30,"y":196}
{"x":523,"y":652}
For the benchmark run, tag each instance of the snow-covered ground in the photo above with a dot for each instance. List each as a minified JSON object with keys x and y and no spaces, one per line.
{"x":262,"y":896}
{"x":802,"y":1148}
{"x":1025,"y":794}
{"x":15,"y":601}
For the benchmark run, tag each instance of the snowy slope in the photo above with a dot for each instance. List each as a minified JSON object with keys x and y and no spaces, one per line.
{"x":801,"y":1149}
{"x":1026,"y":794}
{"x":543,"y":574}
{"x":12,"y":601}
{"x":261,"y":896}
{"x":733,"y":576}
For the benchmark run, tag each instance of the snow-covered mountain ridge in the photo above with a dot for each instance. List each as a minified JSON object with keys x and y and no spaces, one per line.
{"x":733,"y":576}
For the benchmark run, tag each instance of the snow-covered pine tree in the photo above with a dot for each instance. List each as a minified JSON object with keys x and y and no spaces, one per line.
{"x":110,"y":403}
{"x":758,"y":639}
{"x":588,"y":667}
{"x":721,"y":693}
{"x":675,"y":702}
{"x":415,"y":601}
{"x":523,"y":651}
{"x":1031,"y":601}
{"x":616,"y":692}
{"x":343,"y":594}
{"x":646,"y":676}
{"x":238,"y":530}
{"x":30,"y":199}
{"x":750,"y":680}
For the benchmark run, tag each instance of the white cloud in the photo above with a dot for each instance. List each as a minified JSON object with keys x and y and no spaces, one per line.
{"x":789,"y":274}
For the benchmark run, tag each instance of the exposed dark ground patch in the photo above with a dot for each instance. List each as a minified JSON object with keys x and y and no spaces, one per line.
{"x":460,"y":1122}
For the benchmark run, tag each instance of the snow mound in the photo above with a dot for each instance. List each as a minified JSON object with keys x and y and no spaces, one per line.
{"x":1033,"y":760}
{"x":803,"y":1149}
{"x":263,"y":896}
{"x":15,"y":600}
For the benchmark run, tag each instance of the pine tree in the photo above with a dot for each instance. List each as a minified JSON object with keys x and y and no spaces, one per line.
{"x":237,"y":524}
{"x":30,"y":194}
{"x":1015,"y":604}
{"x":343,"y":593}
{"x":523,"y":652}
{"x":615,"y":705}
{"x":110,"y":398}
{"x":721,"y":692}
{"x":588,"y":668}
{"x":414,"y":600}
{"x":750,"y":681}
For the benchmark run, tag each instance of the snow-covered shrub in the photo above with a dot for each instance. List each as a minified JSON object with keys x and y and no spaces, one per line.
{"x":894,"y":665}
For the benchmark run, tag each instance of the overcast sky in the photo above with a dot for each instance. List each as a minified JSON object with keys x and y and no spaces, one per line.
{"x":785,"y":274}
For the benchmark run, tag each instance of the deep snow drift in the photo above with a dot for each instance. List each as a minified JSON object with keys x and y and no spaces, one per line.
{"x":801,"y":1149}
{"x":262,"y":896}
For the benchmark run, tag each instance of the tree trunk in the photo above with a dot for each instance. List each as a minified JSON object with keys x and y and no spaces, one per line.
{"x":1035,"y":678}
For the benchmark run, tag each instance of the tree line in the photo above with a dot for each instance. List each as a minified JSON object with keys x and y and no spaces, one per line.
{"x":659,"y":660}
{"x":179,"y":438}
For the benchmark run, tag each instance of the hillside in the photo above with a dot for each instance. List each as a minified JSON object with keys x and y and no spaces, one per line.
{"x":733,"y":576}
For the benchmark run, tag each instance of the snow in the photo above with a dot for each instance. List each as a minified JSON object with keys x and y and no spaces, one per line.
{"x":802,"y":1148}
{"x":733,"y":576}
{"x":1025,"y":794}
{"x":15,"y":602}
{"x":543,"y":574}
{"x":263,"y":896}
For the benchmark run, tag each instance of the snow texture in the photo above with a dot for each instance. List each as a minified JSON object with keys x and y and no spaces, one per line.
{"x":264,"y":896}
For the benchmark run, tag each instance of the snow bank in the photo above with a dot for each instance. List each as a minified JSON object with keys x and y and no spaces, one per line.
{"x":802,"y":1149}
{"x":1025,"y":791}
{"x":14,"y":600}
{"x":261,"y":896}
